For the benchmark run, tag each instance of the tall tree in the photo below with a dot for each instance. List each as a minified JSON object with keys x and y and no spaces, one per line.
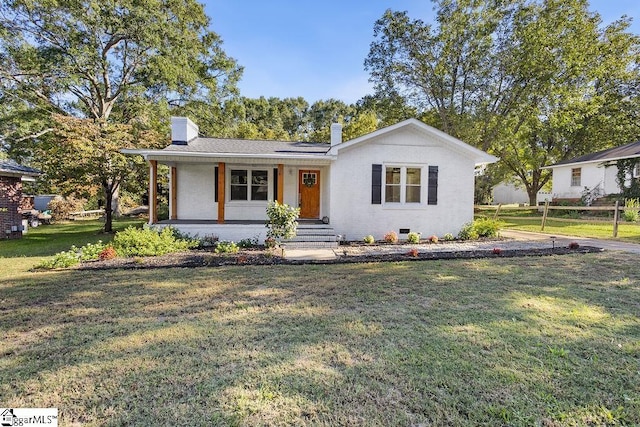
{"x":527,"y":80}
{"x":109,"y":61}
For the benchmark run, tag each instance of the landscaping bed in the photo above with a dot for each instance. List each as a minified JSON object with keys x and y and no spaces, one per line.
{"x":346,"y":254}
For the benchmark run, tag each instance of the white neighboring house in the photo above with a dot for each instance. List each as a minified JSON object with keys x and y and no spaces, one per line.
{"x":405,"y":177}
{"x":594,"y":172}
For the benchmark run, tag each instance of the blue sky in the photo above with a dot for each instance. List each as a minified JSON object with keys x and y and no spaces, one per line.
{"x":316,"y":49}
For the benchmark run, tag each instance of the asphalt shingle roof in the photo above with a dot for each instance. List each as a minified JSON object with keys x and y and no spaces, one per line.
{"x":10,"y":166}
{"x":624,"y":151}
{"x":244,"y":146}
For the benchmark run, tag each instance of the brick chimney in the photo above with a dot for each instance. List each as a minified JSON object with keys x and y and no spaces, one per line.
{"x":183,"y":130}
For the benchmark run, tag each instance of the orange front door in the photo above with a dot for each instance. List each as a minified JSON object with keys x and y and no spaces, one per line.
{"x":309,"y":189}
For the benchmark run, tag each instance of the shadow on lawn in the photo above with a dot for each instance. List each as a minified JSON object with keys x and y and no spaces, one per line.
{"x":462,"y":342}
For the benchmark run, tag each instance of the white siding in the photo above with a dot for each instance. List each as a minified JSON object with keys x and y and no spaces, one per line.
{"x":353,"y":215}
{"x":196,"y":191}
{"x":592,"y":175}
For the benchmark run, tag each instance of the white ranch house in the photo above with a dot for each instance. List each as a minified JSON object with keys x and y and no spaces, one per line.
{"x":595,"y":172}
{"x":405,"y":177}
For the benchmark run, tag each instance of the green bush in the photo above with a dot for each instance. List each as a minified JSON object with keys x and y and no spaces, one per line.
{"x":413,"y":237}
{"x":468,"y":232}
{"x":224,"y":247}
{"x":448,"y":237}
{"x":63,"y":259}
{"x":486,"y":227}
{"x":149,"y":242}
{"x":369,"y":240}
{"x":631,"y":214}
{"x":282,"y":222}
{"x":90,"y":251}
{"x":481,"y":227}
{"x":248,"y":243}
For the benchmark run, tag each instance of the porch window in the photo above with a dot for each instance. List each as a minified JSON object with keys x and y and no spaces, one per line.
{"x":247,"y":182}
{"x":402,"y":184}
{"x":576,"y":174}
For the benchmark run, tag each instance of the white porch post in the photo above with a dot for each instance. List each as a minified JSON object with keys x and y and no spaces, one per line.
{"x":153,"y":191}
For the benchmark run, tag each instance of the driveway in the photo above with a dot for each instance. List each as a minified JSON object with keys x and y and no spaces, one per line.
{"x":612,"y":245}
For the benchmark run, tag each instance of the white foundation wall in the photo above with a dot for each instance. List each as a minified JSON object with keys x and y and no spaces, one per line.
{"x":227,"y":232}
{"x":196,"y":192}
{"x":352,"y":214}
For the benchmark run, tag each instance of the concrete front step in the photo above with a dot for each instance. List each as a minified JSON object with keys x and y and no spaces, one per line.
{"x":313,"y":236}
{"x":309,"y":245}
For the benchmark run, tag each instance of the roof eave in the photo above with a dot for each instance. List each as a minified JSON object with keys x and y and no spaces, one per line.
{"x":612,"y":159}
{"x":165,"y":154}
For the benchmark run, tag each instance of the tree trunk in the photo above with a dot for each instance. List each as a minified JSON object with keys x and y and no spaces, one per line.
{"x":108,"y":214}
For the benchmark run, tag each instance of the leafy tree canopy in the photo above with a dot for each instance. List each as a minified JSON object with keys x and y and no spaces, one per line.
{"x":534,"y":82}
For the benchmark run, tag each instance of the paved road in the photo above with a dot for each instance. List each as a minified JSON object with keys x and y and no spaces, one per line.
{"x":613,"y":245}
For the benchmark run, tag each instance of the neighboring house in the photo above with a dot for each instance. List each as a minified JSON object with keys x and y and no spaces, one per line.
{"x":594,"y":173}
{"x":405,"y":177}
{"x":508,"y":193}
{"x":11,"y":176}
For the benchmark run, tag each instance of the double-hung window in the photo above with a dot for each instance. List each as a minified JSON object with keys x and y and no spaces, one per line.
{"x":249,"y":184}
{"x":402,"y":184}
{"x":576,"y":174}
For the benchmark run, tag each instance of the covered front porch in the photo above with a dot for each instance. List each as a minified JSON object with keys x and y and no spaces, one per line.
{"x":228,"y":199}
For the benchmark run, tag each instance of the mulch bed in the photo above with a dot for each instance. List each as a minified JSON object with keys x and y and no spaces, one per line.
{"x":203,"y":258}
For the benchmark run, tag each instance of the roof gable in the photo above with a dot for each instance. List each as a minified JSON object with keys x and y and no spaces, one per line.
{"x":479,"y":156}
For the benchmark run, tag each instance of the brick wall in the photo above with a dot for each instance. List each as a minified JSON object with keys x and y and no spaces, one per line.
{"x":10,"y":198}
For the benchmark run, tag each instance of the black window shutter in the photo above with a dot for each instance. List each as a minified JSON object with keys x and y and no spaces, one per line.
{"x":432,"y":193}
{"x":215,"y":184}
{"x":376,"y":184}
{"x":275,"y":183}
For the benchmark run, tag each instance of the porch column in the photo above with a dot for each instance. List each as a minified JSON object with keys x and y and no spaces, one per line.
{"x":280,"y":195}
{"x":174,"y":193}
{"x":153,"y":191}
{"x":221,"y":195}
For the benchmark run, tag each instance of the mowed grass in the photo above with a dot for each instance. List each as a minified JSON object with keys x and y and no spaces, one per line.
{"x":47,"y":240}
{"x":550,"y":341}
{"x":598,"y":229}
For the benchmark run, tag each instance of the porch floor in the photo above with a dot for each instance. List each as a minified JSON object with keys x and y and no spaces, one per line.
{"x":231,"y":222}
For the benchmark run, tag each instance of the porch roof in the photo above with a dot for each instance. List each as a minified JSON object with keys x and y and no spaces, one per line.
{"x":240,"y":150}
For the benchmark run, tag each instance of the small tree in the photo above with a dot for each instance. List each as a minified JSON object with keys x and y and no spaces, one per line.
{"x":282,"y":222}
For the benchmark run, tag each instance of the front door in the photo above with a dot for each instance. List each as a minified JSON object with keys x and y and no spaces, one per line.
{"x":309,"y":189}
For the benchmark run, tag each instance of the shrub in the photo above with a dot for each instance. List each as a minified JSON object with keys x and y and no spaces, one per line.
{"x":448,"y":237}
{"x":369,"y":240}
{"x":282,"y":220}
{"x":391,"y":237}
{"x":631,"y":214}
{"x":497,"y":251}
{"x":574,"y":245}
{"x":270,"y":243}
{"x":486,"y":227}
{"x":468,"y":232}
{"x":413,"y":252}
{"x":61,"y":207}
{"x":248,"y":243}
{"x":107,"y":253}
{"x":224,"y":247}
{"x":90,"y":251}
{"x":60,"y":260}
{"x":208,"y":240}
{"x":149,"y":242}
{"x":413,"y":237}
{"x":433,"y":239}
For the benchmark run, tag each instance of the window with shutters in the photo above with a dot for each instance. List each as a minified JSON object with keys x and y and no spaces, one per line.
{"x":249,"y":184}
{"x":402,"y":184}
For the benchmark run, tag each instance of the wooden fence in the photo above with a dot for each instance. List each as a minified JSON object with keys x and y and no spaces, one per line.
{"x":547,"y":207}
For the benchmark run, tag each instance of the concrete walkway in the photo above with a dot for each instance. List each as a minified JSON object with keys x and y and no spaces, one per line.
{"x":612,"y":245}
{"x":311,"y":254}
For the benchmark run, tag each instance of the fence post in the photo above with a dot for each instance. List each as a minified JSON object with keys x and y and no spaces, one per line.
{"x":495,"y":216}
{"x":544,"y":215}
{"x":616,"y":218}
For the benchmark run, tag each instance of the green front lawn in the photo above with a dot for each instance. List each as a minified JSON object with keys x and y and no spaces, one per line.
{"x":549,"y":341}
{"x":598,"y":229}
